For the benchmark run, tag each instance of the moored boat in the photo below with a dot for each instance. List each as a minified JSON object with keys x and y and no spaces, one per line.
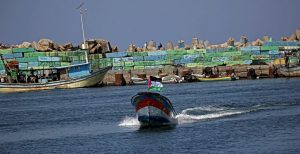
{"x":171,"y":79}
{"x":74,"y":80}
{"x":164,"y":79}
{"x":138,"y":81}
{"x":290,"y":71}
{"x":154,"y":110}
{"x":225,"y":78}
{"x":18,"y":78}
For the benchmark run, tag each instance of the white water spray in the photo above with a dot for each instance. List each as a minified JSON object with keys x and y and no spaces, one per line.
{"x":129,"y":122}
{"x":213,"y":112}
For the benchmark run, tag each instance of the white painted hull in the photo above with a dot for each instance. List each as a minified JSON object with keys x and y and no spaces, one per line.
{"x":139,"y":81}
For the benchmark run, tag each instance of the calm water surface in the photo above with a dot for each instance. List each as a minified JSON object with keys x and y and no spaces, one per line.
{"x":246,"y":116}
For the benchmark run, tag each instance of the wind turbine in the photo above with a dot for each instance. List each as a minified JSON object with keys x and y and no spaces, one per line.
{"x":82,"y":11}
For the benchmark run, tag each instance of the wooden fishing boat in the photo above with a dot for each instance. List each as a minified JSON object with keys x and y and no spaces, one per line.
{"x":139,"y":81}
{"x":171,"y":79}
{"x":208,"y":79}
{"x":154,"y":110}
{"x":79,"y":81}
{"x":290,"y":71}
{"x":165,"y":79}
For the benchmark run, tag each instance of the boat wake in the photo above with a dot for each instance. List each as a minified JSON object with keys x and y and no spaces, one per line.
{"x":191,"y":115}
{"x":195,"y":114}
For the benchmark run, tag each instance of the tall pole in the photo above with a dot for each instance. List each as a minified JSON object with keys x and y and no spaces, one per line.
{"x":81,"y":11}
{"x":82,"y":28}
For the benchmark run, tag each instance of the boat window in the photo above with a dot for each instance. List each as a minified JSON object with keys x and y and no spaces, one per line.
{"x":77,"y":68}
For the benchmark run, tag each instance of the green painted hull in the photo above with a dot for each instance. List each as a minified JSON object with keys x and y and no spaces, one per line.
{"x":215,"y":79}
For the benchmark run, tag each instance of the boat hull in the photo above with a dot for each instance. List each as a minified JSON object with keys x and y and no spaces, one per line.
{"x":171,"y":79}
{"x":150,"y":116}
{"x":154,"y":110}
{"x":139,"y":81}
{"x":86,"y":81}
{"x":290,"y":72}
{"x":216,"y":79}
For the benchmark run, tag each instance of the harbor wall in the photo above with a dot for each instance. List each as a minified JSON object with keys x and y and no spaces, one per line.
{"x":262,"y":71}
{"x":263,"y":59}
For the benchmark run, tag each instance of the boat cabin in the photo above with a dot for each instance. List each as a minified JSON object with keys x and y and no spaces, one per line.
{"x":73,"y":71}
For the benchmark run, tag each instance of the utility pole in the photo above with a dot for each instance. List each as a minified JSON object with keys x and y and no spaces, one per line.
{"x":82,"y":11}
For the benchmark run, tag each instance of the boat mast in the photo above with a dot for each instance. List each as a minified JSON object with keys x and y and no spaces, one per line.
{"x":82,"y":11}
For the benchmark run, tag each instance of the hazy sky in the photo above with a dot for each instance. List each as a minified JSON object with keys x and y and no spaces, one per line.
{"x":125,"y":21}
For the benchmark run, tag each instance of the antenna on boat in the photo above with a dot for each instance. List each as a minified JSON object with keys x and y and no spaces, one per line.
{"x":82,"y":11}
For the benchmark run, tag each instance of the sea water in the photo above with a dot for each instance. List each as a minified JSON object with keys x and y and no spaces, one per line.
{"x":245,"y":116}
